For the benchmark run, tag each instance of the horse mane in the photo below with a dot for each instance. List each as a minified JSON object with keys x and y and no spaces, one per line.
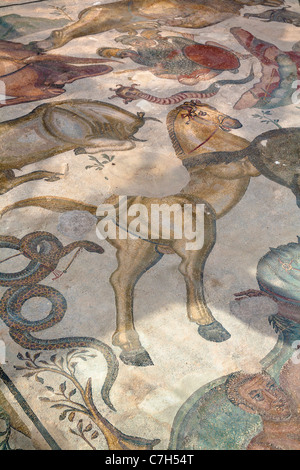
{"x":172,"y":115}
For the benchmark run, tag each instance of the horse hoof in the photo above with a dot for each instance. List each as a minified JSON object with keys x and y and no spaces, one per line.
{"x":214,"y":332}
{"x":136,"y":358}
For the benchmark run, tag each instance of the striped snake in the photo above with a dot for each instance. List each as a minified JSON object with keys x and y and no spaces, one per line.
{"x":44,"y":252}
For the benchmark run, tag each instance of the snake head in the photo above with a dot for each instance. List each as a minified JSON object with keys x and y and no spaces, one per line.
{"x":91,"y":247}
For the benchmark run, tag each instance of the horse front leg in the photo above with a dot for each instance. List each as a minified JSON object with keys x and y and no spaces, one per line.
{"x":192,"y":268}
{"x":134,"y":257}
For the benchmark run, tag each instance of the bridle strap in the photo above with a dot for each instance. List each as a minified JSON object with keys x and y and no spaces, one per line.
{"x":205,"y":141}
{"x":209,"y":137}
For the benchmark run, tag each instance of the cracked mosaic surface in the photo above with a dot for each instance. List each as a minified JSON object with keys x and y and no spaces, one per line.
{"x":132,"y":340}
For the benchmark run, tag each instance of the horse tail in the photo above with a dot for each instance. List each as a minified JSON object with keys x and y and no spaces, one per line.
{"x":51,"y":203}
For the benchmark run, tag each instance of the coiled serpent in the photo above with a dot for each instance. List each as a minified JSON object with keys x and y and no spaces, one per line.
{"x":44,"y":251}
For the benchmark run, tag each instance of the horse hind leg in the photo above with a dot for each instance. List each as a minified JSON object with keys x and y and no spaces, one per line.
{"x":135,"y":257}
{"x":192,"y":268}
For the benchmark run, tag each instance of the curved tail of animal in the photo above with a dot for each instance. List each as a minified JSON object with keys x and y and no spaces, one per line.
{"x":54,"y":204}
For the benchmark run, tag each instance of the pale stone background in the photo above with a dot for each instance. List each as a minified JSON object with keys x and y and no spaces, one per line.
{"x":147,"y":399}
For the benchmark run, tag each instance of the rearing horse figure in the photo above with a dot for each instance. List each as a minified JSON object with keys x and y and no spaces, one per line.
{"x":194,"y":128}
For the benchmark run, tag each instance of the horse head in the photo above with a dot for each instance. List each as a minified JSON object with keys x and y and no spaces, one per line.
{"x":195,"y":126}
{"x":206,"y":114}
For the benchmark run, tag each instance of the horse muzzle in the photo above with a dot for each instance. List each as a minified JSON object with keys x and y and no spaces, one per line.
{"x":229,"y":124}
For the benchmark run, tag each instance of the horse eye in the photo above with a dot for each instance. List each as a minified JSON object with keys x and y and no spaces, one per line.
{"x":202,"y":113}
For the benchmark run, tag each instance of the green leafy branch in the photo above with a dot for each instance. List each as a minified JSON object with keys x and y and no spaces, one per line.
{"x":62,"y":399}
{"x":266,"y":119}
{"x":99,"y":166}
{"x":73,"y":398}
{"x":61,"y":11}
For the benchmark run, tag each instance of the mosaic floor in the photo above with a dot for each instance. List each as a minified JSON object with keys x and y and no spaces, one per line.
{"x":149,"y":134}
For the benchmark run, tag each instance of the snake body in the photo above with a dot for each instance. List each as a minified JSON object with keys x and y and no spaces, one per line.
{"x":44,"y":251}
{"x":131,"y":93}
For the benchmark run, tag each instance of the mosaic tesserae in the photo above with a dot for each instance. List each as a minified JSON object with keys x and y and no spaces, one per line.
{"x":149,"y":225}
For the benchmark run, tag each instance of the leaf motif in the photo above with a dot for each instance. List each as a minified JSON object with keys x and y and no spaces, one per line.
{"x":72,"y":392}
{"x":61,"y":362}
{"x":29,"y":365}
{"x":94,"y":159}
{"x":36,"y":356}
{"x":63,"y":416}
{"x":44,"y":399}
{"x":63,"y":387}
{"x":95,"y":435}
{"x":80,"y":425}
{"x":81,"y":357}
{"x":88,"y":428}
{"x":30,"y":374}
{"x":51,"y":389}
{"x":53,"y":358}
{"x":72,"y":416}
{"x":20,"y":356}
{"x":39,"y":379}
